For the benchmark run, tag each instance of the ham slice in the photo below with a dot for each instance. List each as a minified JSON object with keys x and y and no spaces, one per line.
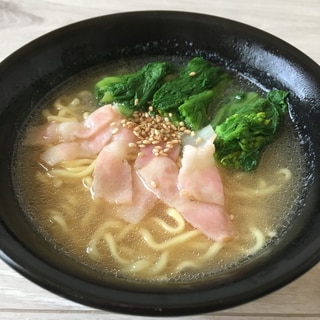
{"x":112,"y":179}
{"x":98,"y":120}
{"x":142,"y":202}
{"x":146,"y":155}
{"x":80,"y":139}
{"x":124,"y":134}
{"x":53,"y":132}
{"x":211,"y":219}
{"x":116,"y":182}
{"x":64,"y":151}
{"x":160,"y":176}
{"x":77,"y":149}
{"x":199,"y":178}
{"x":95,"y":143}
{"x":42,"y":134}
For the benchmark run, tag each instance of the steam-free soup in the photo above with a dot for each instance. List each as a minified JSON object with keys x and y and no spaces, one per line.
{"x":59,"y":201}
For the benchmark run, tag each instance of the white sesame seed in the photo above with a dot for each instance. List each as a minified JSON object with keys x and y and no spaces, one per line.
{"x":132,"y":145}
{"x":155,"y":129}
{"x":115,"y":130}
{"x":199,"y":140}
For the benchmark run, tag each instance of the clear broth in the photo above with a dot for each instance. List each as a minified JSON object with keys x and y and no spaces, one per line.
{"x":260,"y":203}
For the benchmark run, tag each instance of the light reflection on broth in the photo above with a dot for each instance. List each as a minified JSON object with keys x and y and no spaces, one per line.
{"x":163,"y":245}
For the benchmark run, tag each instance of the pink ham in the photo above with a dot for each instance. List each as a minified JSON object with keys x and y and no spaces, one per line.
{"x":93,"y":138}
{"x":199,"y":178}
{"x":94,"y":144}
{"x":64,"y":151}
{"x":43,"y":134}
{"x":142,"y":202}
{"x":124,"y":134}
{"x":86,"y":147}
{"x":160,"y":176}
{"x":212,"y":220}
{"x":146,"y":155}
{"x":54,"y":132}
{"x":66,"y":131}
{"x":98,"y":120}
{"x":77,"y":149}
{"x":112,"y":179}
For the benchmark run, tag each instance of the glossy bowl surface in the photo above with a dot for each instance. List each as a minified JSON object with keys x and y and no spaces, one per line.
{"x":31,"y":72}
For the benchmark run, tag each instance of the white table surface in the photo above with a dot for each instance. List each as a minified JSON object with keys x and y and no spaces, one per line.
{"x":295,"y":21}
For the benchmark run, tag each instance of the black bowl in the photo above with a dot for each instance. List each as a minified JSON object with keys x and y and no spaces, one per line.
{"x":31,"y":72}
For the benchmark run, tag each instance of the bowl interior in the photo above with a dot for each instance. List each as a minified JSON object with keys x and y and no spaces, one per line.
{"x":34,"y":70}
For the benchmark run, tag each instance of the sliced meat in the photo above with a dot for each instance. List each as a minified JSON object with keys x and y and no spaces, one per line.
{"x":199,"y":178}
{"x":112,"y":179}
{"x":78,"y":149}
{"x":95,"y":143}
{"x":143,"y":201}
{"x":64,"y":151}
{"x":160,"y":176}
{"x":99,"y":119}
{"x":146,"y":155}
{"x":54,"y":132}
{"x":86,"y":146}
{"x":210,"y":219}
{"x":42,"y":134}
{"x":123,"y":134}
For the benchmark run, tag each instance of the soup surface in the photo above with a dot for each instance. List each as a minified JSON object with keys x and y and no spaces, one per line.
{"x":162,"y":246}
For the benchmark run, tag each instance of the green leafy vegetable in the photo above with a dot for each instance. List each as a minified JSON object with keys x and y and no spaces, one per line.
{"x":190,"y":87}
{"x":133,"y":91}
{"x":196,"y":111}
{"x":245,"y":125}
{"x":188,"y":96}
